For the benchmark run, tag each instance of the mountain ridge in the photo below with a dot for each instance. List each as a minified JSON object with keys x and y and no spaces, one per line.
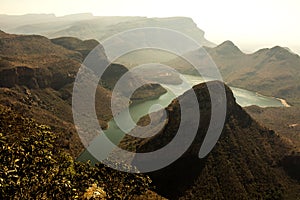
{"x":244,"y":164}
{"x":99,"y":27}
{"x":228,"y":48}
{"x":270,"y":71}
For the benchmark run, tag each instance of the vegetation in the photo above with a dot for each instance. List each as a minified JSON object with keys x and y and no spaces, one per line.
{"x":32,"y":167}
{"x":287,"y":125}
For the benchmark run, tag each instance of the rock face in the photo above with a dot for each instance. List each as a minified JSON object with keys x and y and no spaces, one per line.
{"x":35,"y":62}
{"x":35,"y":78}
{"x":244,"y":164}
{"x":18,"y":76}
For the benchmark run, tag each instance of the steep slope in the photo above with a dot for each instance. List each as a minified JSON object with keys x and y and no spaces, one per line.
{"x":244,"y":164}
{"x":287,"y":125}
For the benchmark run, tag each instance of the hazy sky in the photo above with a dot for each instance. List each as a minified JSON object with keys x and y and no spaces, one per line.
{"x":251,"y":24}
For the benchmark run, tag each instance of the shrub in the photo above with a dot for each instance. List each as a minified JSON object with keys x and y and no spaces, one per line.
{"x":32,"y":167}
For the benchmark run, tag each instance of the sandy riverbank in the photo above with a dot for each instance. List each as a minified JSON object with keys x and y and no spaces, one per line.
{"x":284,"y":103}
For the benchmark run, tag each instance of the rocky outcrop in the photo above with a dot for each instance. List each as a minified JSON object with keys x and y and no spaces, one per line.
{"x":35,"y":62}
{"x":20,"y":75}
{"x":34,"y":78}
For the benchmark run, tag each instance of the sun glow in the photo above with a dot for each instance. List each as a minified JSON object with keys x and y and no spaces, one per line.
{"x":250,"y":24}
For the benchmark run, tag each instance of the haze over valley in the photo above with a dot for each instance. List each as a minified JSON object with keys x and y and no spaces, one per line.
{"x":148,"y":105}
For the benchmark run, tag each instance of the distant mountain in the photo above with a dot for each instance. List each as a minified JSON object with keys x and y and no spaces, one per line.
{"x":95,"y":28}
{"x":273,"y":72}
{"x":13,"y":21}
{"x":244,"y":164}
{"x":86,"y":26}
{"x":229,"y":49}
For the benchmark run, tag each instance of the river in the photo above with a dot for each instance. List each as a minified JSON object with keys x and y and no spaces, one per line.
{"x":243,"y":98}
